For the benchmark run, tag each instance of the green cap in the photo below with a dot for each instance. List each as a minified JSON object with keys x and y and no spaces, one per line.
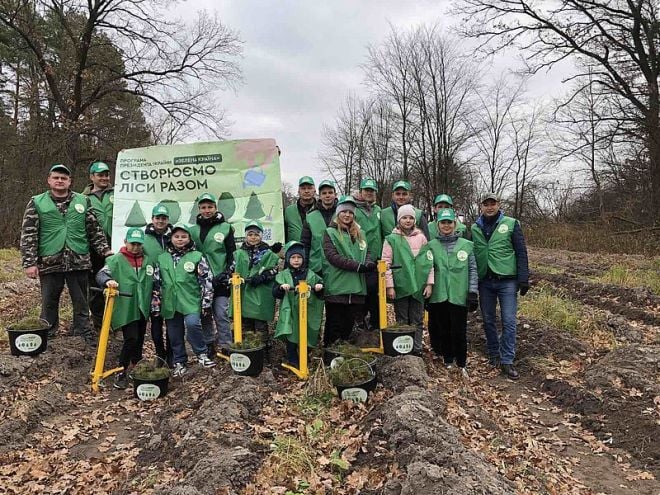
{"x":181,"y":226}
{"x":443,"y":198}
{"x":254,"y":225}
{"x":305,"y":179}
{"x":447,"y":214}
{"x":59,"y":167}
{"x":369,"y":184}
{"x":290,"y":244}
{"x":347,"y":198}
{"x":206,"y":197}
{"x":326,"y":183}
{"x":401,"y":184}
{"x":135,"y":234}
{"x":160,"y":210}
{"x":98,"y":167}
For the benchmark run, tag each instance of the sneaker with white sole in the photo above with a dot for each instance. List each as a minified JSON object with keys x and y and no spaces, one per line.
{"x":206,"y":361}
{"x":179,"y":370}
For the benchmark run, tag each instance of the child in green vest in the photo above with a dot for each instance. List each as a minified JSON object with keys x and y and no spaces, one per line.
{"x":454,"y":290}
{"x":129,"y":271}
{"x":256,"y":263}
{"x":183,"y":289}
{"x":401,"y":248}
{"x":295,"y":270}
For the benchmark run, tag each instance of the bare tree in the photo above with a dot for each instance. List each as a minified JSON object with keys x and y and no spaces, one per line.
{"x":167,"y":64}
{"x":617,"y":42}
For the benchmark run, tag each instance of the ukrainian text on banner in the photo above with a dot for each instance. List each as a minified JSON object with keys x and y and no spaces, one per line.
{"x":244,"y":175}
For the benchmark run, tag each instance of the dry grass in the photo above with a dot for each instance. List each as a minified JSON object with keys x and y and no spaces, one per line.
{"x":592,"y":238}
{"x":633,"y":277}
{"x":554,"y":308}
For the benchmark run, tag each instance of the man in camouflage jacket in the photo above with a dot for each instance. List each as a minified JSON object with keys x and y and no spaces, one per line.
{"x":59,"y":228}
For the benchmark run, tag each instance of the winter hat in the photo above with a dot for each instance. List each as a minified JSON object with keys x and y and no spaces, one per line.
{"x":294,"y":248}
{"x":346,"y":203}
{"x":405,"y":210}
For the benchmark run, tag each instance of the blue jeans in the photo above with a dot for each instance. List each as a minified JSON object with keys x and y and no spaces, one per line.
{"x":224,"y":335}
{"x":490,"y":291}
{"x":176,"y":329}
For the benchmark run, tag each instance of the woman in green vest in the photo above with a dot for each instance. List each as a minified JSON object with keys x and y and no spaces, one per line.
{"x":401,"y":248}
{"x":257,"y":264}
{"x":183,"y":289}
{"x":130,"y":272}
{"x":347,"y":259}
{"x":454,"y":290}
{"x":295,"y":270}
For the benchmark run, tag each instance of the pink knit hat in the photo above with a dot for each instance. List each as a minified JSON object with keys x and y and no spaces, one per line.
{"x":405,"y":210}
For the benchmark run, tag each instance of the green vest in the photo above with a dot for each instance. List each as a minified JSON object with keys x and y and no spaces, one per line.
{"x":287,"y":317}
{"x":103,"y":210}
{"x":180,"y":290}
{"x":406,"y":280}
{"x":451,"y":271}
{"x":56,"y":230}
{"x":496,"y":254}
{"x":341,"y":282}
{"x":317,"y":227}
{"x":213,"y":246}
{"x":460,"y":229}
{"x":139,"y":283}
{"x":388,"y":220}
{"x":256,"y":302}
{"x":370,"y":225}
{"x":152,"y":247}
{"x":294,"y":224}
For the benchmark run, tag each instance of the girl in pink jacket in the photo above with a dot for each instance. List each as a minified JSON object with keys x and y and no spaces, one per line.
{"x":403,"y":287}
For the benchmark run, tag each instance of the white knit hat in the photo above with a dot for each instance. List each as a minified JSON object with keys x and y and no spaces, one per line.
{"x":405,"y":210}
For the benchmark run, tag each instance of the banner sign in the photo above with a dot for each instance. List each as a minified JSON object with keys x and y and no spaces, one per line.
{"x":243,"y":175}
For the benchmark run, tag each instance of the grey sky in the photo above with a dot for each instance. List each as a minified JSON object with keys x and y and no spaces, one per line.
{"x":302,"y":59}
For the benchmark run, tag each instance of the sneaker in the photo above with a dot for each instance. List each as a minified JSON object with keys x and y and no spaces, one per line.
{"x":510,"y":371}
{"x":206,"y":361}
{"x":494,"y":361}
{"x":449,"y":365}
{"x":464,"y":373}
{"x":179,"y":370}
{"x":121,"y":381}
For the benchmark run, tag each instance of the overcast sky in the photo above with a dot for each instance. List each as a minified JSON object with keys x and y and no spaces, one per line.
{"x":301,"y":59}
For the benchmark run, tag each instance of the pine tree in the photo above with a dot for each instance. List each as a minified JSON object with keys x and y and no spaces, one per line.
{"x":254,"y":210}
{"x":136,"y":217}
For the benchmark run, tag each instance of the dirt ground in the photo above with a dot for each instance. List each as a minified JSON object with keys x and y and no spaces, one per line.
{"x":584,"y":417}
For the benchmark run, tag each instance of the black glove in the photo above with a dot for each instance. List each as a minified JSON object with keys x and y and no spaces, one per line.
{"x":255,"y":280}
{"x":523,"y":287}
{"x":221,"y":281}
{"x":277,"y":247}
{"x":367,"y":267}
{"x":472,"y":301}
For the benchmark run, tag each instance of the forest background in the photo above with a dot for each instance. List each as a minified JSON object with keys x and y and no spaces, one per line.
{"x":82,"y":80}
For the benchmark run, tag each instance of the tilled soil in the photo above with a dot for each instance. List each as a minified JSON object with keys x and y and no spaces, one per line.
{"x":581,"y":419}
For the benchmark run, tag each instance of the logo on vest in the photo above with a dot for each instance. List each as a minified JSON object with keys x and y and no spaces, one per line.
{"x":363,"y":245}
{"x":111,"y":198}
{"x":503,"y":229}
{"x":354,"y":394}
{"x":378,"y":215}
{"x":462,"y":255}
{"x":27,"y":342}
{"x":79,"y":208}
{"x":219,"y":237}
{"x":239,"y":362}
{"x":189,"y":266}
{"x":147,"y":391}
{"x":403,"y":344}
{"x":429,"y":255}
{"x":150,"y":270}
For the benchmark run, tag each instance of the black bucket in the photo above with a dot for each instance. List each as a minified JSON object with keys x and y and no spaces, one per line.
{"x":150,"y":389}
{"x":399,"y":342}
{"x":247,"y":362}
{"x":357,"y":392}
{"x":28,"y":342}
{"x":330,"y":355}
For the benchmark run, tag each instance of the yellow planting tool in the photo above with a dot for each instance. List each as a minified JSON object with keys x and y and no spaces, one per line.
{"x":382,"y":307}
{"x":236,"y":282}
{"x":302,"y":371}
{"x":98,"y":374}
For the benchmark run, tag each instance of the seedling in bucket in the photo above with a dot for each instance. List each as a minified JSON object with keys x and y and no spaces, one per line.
{"x":247,"y":357}
{"x":28,"y":337}
{"x":150,"y":379}
{"x":354,"y":379}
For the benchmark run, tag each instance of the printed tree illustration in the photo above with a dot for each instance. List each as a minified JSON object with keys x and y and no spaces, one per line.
{"x":135,"y":217}
{"x":227,"y":205}
{"x":254,"y":210}
{"x":174,"y":208}
{"x":194,"y":211}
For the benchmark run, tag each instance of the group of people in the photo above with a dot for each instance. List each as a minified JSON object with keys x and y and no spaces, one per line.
{"x":180,"y":275}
